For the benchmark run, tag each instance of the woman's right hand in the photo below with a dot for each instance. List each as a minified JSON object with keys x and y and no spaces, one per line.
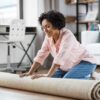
{"x":33,"y":68}
{"x":24,"y":74}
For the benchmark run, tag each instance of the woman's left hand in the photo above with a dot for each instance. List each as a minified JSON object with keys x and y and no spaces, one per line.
{"x":38,"y":76}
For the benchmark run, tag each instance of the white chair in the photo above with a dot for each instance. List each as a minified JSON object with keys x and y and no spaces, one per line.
{"x":16,"y":34}
{"x":91,"y":40}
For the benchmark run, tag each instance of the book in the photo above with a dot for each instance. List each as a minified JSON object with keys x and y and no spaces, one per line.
{"x":91,"y":15}
{"x":99,"y":27}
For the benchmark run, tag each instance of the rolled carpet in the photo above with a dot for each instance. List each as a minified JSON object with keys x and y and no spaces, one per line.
{"x":70,"y":88}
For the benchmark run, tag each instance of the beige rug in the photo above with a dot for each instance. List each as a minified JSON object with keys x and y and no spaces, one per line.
{"x":69,"y":88}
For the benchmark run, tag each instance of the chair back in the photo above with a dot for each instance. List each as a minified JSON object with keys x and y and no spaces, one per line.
{"x":17,"y":30}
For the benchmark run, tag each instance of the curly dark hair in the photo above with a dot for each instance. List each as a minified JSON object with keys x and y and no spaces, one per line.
{"x":57,"y":19}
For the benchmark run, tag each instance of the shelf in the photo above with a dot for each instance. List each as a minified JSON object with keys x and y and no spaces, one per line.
{"x":72,"y":19}
{"x":84,"y":22}
{"x":87,"y":18}
{"x":89,"y":21}
{"x":70,"y":1}
{"x":87,"y":1}
{"x":81,"y":2}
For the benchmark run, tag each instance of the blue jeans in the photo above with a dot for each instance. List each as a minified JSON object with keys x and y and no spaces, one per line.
{"x":81,"y":71}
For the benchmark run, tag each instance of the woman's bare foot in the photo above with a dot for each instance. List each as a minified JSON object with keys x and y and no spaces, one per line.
{"x":96,"y":76}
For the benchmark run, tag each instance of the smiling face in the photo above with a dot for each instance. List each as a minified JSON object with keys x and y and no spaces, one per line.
{"x":48,"y":28}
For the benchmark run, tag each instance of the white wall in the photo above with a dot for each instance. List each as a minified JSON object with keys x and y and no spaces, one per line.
{"x":30,"y":12}
{"x":40,"y":34}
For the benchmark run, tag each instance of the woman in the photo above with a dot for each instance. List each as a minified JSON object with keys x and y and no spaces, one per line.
{"x":71,"y":59}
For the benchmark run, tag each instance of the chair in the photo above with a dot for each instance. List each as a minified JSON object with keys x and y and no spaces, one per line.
{"x":91,"y":40}
{"x":16,"y":34}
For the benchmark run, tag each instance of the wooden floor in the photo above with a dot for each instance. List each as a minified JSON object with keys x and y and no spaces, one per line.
{"x":11,"y":94}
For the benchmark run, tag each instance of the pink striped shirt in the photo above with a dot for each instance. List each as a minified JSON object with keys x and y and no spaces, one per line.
{"x":67,"y":51}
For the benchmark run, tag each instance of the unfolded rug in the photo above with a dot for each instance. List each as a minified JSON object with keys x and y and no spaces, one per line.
{"x":70,"y":88}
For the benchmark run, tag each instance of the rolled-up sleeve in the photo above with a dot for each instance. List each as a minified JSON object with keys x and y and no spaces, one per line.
{"x":43,"y":52}
{"x":65,"y":49}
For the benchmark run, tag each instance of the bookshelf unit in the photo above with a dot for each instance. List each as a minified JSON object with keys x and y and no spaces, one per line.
{"x":76,"y":19}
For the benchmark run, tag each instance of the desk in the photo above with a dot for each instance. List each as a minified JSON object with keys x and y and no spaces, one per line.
{"x":28,"y":31}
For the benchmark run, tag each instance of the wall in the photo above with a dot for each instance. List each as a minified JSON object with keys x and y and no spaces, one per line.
{"x":30,"y":12}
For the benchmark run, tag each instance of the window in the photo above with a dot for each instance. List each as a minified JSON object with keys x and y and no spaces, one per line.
{"x":9,"y":9}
